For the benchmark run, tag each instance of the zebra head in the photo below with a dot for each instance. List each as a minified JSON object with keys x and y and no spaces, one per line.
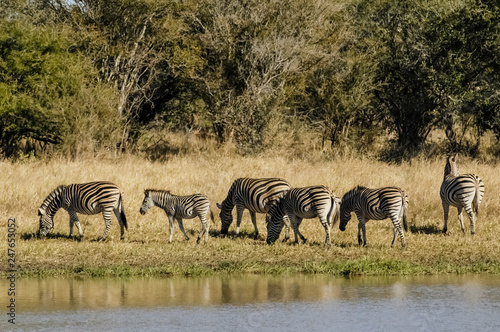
{"x":147,"y":203}
{"x":46,"y":223}
{"x":274,"y":221}
{"x":345,"y":216}
{"x":48,"y":209}
{"x":451,"y":167}
{"x":346,"y":208}
{"x":226,"y":216}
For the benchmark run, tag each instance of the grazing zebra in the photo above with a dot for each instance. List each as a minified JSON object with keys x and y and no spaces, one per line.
{"x":461,"y":191}
{"x":87,"y":198}
{"x":256,"y":195}
{"x":178,"y":207}
{"x":375,"y":204}
{"x":299,"y":203}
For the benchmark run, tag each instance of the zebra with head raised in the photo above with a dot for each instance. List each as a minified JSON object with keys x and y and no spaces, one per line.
{"x":87,"y":198}
{"x":256,"y":195}
{"x":178,"y":207}
{"x":464,"y":191}
{"x":375,"y":204}
{"x":300,"y":203}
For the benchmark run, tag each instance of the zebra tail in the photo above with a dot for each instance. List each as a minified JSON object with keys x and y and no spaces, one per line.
{"x":122,"y":214}
{"x":212,"y":217}
{"x":475,"y":201}
{"x":405,"y":205}
{"x":335,"y":211}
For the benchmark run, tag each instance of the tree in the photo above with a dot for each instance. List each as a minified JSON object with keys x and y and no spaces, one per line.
{"x":48,"y":95}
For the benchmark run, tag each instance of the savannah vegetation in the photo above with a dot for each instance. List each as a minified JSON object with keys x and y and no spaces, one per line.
{"x":79,"y":78}
{"x":146,"y":250}
{"x":190,"y":95}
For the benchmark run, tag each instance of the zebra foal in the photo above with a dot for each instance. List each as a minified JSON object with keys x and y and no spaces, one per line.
{"x":179,"y":207}
{"x":300,"y":203}
{"x":375,"y":204}
{"x":461,"y":191}
{"x":256,"y":195}
{"x":86,"y":198}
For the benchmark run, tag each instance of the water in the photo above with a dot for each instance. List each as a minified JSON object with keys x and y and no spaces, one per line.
{"x":257,"y":303}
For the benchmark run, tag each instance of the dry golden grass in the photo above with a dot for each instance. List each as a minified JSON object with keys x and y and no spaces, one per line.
{"x":146,"y":250}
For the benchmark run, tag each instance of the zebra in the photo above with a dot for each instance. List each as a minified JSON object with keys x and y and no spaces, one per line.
{"x":86,"y":198}
{"x":375,"y":204}
{"x":178,"y":207}
{"x":256,"y":195}
{"x":299,"y":203}
{"x":464,"y":191}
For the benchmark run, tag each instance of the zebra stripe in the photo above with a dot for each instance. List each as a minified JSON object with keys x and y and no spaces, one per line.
{"x":86,"y":198}
{"x":298,"y":203}
{"x":256,"y":195}
{"x":179,"y":207}
{"x":375,"y":204}
{"x":461,"y":191}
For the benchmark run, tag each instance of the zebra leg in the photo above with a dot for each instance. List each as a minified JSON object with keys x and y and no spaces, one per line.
{"x":204,"y":229}
{"x":286,"y":220}
{"x":73,"y":220}
{"x":107,"y":222}
{"x":398,"y":230}
{"x":254,"y":222}
{"x":472,"y":218}
{"x":327,"y":227}
{"x":70,"y":226}
{"x":170,"y":227}
{"x":122,"y":229}
{"x":360,"y":239}
{"x":239,"y":215}
{"x":461,"y":219}
{"x":181,"y":226}
{"x":446,"y":209}
{"x":293,"y":221}
{"x":362,"y":229}
{"x":299,"y":221}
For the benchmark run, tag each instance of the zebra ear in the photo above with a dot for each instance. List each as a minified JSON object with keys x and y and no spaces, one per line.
{"x":219,"y":206}
{"x":41,"y":212}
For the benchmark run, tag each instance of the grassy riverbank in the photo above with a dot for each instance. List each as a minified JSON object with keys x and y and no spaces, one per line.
{"x":146,"y":250}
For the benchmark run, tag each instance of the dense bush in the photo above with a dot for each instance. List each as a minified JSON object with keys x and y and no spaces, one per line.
{"x":84,"y":75}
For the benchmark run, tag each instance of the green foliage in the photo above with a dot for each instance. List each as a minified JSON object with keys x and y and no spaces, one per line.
{"x":48,"y":95}
{"x":466,"y":66}
{"x":92,"y":74}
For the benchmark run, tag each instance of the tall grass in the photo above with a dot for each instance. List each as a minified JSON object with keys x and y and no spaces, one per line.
{"x":146,"y":250}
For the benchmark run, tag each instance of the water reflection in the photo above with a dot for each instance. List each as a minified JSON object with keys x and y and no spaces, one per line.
{"x":68,"y":294}
{"x":252,"y":302}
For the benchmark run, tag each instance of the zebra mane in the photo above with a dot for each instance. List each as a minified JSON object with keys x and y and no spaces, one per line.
{"x":348,"y":195}
{"x":51,"y":197}
{"x":160,"y":191}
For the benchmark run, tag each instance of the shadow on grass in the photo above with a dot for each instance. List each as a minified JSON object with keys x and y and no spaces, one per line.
{"x":241,"y":235}
{"x":426,"y":229}
{"x":34,"y":236}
